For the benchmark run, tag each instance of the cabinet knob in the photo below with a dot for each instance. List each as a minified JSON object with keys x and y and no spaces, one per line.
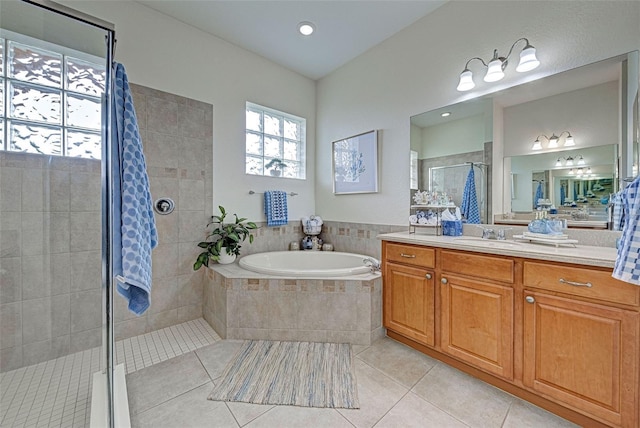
{"x":530,"y":299}
{"x":444,"y":280}
{"x":428,"y":276}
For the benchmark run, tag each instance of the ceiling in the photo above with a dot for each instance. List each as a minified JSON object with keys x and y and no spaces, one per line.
{"x":344,"y":28}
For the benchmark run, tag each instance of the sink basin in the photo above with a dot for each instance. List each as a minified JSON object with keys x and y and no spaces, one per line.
{"x":493,"y":243}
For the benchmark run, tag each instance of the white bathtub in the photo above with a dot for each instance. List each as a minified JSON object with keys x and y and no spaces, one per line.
{"x":306,"y":264}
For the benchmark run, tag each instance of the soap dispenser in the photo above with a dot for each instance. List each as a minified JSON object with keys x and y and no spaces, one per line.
{"x":538,"y":224}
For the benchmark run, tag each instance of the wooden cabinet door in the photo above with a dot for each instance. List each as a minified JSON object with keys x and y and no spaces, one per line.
{"x":582,"y":354}
{"x":477,"y":323}
{"x":409,"y":303}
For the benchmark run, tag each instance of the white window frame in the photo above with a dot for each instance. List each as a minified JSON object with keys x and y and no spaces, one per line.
{"x":301,"y":143}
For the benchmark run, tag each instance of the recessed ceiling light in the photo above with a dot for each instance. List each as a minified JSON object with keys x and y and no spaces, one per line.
{"x":446,"y":114}
{"x":306,"y":28}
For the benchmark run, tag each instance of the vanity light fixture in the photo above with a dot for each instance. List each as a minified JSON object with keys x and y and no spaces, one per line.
{"x":497,"y":65}
{"x":580,"y":171}
{"x":569,"y":161}
{"x":554,"y":141}
{"x":537,"y":145}
{"x":571,"y":171}
{"x":306,"y":28}
{"x":558,"y":162}
{"x":589,"y":171}
{"x":580,"y":160}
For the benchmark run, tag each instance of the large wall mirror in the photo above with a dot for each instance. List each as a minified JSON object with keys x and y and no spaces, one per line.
{"x":596,"y":104}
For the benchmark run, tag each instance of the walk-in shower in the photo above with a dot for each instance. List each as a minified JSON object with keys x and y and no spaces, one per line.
{"x":451,"y":179}
{"x":55,"y":297}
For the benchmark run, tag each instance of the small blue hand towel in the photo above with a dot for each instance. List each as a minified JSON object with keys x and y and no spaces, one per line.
{"x":134,"y":234}
{"x":275,"y":207}
{"x":469,"y":199}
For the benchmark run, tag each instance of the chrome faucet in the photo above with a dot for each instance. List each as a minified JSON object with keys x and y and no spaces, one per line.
{"x":372,"y":263}
{"x":490,"y":233}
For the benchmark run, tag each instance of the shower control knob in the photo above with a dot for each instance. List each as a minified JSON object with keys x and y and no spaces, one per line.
{"x":530,"y":299}
{"x":444,"y":280}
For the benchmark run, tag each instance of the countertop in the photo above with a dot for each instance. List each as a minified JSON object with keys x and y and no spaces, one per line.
{"x":580,"y":254}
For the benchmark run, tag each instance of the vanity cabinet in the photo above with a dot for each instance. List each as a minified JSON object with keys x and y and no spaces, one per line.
{"x":409,"y":298}
{"x":565,"y":337}
{"x":477,"y":323}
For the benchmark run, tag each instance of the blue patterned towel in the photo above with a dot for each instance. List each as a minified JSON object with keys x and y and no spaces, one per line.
{"x":275,"y":207}
{"x":618,"y":211}
{"x":469,"y":200}
{"x":627,"y":267}
{"x":539,"y":195}
{"x":134,"y":234}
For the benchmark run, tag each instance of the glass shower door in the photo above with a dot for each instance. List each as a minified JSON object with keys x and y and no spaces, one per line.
{"x":53,"y":80}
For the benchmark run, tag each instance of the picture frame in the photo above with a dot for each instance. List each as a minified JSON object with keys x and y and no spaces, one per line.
{"x":355,"y":164}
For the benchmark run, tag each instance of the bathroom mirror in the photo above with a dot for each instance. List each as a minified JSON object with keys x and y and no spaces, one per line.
{"x":596,"y":103}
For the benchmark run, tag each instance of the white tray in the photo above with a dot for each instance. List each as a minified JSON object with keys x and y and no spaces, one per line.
{"x":549,"y":241}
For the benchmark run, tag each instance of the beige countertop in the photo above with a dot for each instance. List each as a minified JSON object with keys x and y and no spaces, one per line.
{"x":580,"y":254}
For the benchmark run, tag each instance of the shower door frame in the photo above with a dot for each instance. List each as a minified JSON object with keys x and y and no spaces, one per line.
{"x":108,"y":354}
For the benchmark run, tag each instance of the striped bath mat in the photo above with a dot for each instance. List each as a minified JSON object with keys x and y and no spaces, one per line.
{"x":304,"y":374}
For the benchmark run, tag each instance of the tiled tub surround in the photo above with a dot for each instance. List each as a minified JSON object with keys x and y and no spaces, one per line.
{"x":240,"y":304}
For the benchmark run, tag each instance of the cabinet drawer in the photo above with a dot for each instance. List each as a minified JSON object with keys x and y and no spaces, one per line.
{"x":411,"y":254}
{"x":573,"y":280}
{"x":479,"y":266}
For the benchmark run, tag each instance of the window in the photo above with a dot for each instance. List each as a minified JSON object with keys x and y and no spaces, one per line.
{"x":413,"y":168}
{"x":275,"y":143}
{"x":50,"y":102}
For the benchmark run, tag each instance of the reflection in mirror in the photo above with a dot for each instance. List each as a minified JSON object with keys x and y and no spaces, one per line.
{"x":573,"y":182}
{"x":444,"y":144}
{"x":596,"y":103}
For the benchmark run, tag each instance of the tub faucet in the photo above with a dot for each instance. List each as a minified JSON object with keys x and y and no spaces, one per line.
{"x":373,"y":264}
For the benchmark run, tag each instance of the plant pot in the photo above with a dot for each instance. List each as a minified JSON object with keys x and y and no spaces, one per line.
{"x":275,"y":172}
{"x":225,"y":258}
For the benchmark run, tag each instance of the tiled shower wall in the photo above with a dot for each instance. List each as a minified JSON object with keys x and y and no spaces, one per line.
{"x":50,"y":236}
{"x":177,"y":135}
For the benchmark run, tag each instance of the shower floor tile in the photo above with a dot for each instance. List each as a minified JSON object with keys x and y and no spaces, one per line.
{"x":58,"y":392}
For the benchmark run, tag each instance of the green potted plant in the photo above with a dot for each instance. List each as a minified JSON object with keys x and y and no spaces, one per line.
{"x":222,"y":244}
{"x":276,"y":166}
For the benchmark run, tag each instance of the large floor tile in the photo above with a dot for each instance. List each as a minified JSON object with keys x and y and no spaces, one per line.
{"x":246,"y":412}
{"x":163,"y":381}
{"x":526,"y":415}
{"x":191,"y":409}
{"x":398,"y":361}
{"x":470,"y":400}
{"x":215,"y":357}
{"x":413,"y":411}
{"x":294,"y":417}
{"x":377,"y":394}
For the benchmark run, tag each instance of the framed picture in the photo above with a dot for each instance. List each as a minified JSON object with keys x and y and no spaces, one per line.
{"x":355,"y":164}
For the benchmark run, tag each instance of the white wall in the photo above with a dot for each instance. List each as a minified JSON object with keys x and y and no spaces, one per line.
{"x":165,"y":54}
{"x":417,"y":70}
{"x":591,"y":115}
{"x":458,"y":136}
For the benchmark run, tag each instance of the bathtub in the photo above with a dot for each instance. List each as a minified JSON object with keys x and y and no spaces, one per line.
{"x":306,"y":264}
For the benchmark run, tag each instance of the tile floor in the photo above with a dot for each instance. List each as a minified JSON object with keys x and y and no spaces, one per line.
{"x":58,"y":392}
{"x":397,"y":387}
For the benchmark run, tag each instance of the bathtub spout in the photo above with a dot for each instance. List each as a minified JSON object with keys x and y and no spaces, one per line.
{"x":373,"y":264}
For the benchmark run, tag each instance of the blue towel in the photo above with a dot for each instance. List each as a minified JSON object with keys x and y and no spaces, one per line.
{"x":469,"y":200}
{"x":539,"y":195}
{"x":562,"y":195}
{"x":275,"y":207}
{"x":134,"y":234}
{"x":617,"y":219}
{"x":627,"y":266}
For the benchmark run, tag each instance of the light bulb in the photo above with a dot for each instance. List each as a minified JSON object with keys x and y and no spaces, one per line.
{"x":553,"y":142}
{"x":306,"y":28}
{"x":466,"y":81}
{"x":494,"y":71}
{"x":571,"y":171}
{"x":568,"y":142}
{"x":528,"y":60}
{"x":569,"y":161}
{"x":579,"y":171}
{"x":580,"y":160}
{"x":536,"y":145}
{"x":558,"y":163}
